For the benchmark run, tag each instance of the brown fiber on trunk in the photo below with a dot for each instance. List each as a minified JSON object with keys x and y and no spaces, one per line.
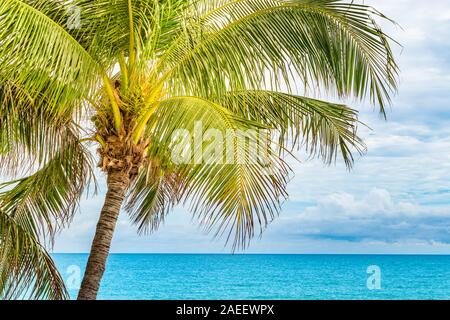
{"x":118,"y":182}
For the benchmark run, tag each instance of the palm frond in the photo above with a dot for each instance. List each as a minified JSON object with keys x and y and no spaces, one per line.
{"x":323,"y":128}
{"x":261,"y":44}
{"x":39,"y":54}
{"x":106,"y":31}
{"x":106,"y":24}
{"x":235,"y":198}
{"x":152,"y":196}
{"x":233,"y":190}
{"x":26,"y":269}
{"x":31,"y":134}
{"x":45,"y":201}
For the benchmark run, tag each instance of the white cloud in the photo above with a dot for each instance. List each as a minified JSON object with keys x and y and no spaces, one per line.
{"x":378,"y":203}
{"x":376,"y":216}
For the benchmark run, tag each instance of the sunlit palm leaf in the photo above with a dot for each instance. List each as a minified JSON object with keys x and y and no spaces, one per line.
{"x":324,"y":128}
{"x":266,"y":43}
{"x":105,"y":26}
{"x":232,"y":196}
{"x":36,"y":50}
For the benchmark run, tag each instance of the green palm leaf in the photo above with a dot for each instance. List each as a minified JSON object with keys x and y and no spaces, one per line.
{"x":30,"y":133}
{"x":152,"y":196}
{"x":40,"y":55}
{"x":260,"y":43}
{"x":235,"y":196}
{"x":35,"y":208}
{"x":26,"y":269}
{"x":323,"y":128}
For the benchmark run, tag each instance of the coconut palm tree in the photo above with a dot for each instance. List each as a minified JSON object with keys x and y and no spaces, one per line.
{"x":122,"y":76}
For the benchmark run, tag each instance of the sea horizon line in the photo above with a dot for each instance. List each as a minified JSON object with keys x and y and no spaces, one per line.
{"x":256,"y":253}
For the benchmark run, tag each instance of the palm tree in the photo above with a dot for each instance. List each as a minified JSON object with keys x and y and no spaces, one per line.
{"x":124,"y":75}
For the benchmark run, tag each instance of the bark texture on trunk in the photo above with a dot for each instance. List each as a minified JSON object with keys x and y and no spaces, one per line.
{"x":118,"y":183}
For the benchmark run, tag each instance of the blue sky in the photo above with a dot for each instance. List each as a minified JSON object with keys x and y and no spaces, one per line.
{"x":395,"y":200}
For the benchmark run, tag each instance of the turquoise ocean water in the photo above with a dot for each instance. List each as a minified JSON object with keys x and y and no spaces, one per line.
{"x":185,"y":276}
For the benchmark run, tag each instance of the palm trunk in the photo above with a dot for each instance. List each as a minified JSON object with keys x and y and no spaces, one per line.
{"x":117,"y":185}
